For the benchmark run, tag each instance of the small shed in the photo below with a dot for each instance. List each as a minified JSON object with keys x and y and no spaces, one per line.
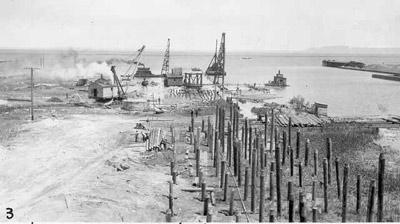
{"x":320,"y":109}
{"x":173,"y":80}
{"x":100,"y":90}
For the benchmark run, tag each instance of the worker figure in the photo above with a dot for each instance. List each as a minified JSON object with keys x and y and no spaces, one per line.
{"x":197,"y":112}
{"x":163,"y":144}
{"x":136,"y":136}
{"x":145,"y":137}
{"x":159,"y":100}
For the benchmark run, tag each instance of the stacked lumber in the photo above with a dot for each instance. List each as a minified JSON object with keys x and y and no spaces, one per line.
{"x":299,"y":120}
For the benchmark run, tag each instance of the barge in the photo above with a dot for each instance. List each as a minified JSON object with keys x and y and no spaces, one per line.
{"x":340,"y":64}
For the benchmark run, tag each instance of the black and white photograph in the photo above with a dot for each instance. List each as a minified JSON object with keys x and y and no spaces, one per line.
{"x":199,"y":111}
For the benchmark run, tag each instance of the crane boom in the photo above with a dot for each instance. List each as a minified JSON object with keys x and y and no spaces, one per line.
{"x":216,"y":67}
{"x":130,"y":73}
{"x":165,"y":66}
{"x":121,"y":92}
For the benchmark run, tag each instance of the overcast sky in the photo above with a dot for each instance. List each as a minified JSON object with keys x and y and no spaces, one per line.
{"x":250,"y":25}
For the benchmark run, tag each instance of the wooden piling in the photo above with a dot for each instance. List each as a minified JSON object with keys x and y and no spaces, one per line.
{"x":306,"y":152}
{"x":203,"y":190}
{"x":223,"y":164}
{"x":278,"y":179}
{"x":271,"y":139}
{"x":291,"y":208}
{"x":271,"y":185}
{"x":253,"y":182}
{"x":262,"y":196}
{"x":174,"y":177}
{"x":276,"y":138}
{"x":217,"y":165}
{"x":271,"y":215}
{"x":371,"y":201}
{"x":284,"y":147}
{"x":338,"y":177}
{"x":202,"y":125}
{"x":265,"y":130}
{"x":216,"y":146}
{"x":237,"y":122}
{"x":381,"y":175}
{"x":206,"y":202}
{"x":197,"y":162}
{"x":226,"y":187}
{"x":325,"y":168}
{"x":302,"y":209}
{"x":246,"y":134}
{"x":239,"y":164}
{"x":208,"y":127}
{"x":261,"y":156}
{"x":358,"y":200}
{"x":200,"y":178}
{"x":223,"y":131}
{"x":344,"y":200}
{"x":216,"y":118}
{"x":211,"y":142}
{"x":229,"y":145}
{"x":171,"y":188}
{"x":298,"y":144}
{"x":209,"y":217}
{"x":300,"y":174}
{"x":290,"y":132}
{"x":314,"y":214}
{"x":329,"y":158}
{"x":250,"y":141}
{"x":192,"y":121}
{"x":289,"y":189}
{"x":198,"y":135}
{"x":235,"y":159}
{"x":316,"y":163}
{"x":313,"y":190}
{"x":168,"y":215}
{"x":246,"y":183}
{"x":291,"y":161}
{"x":172,"y":166}
{"x":232,"y":202}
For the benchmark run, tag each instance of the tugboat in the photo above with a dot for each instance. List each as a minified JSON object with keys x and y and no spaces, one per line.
{"x":279,"y":81}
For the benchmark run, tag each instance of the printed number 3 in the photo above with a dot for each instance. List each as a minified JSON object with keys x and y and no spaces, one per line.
{"x":10,"y":213}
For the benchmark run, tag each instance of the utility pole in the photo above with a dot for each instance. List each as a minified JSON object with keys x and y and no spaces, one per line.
{"x":31,"y":68}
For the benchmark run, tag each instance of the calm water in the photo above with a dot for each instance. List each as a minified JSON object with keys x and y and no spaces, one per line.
{"x":348,"y":93}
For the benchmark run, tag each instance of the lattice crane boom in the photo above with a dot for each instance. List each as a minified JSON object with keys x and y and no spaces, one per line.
{"x":165,"y":66}
{"x":216,"y":67}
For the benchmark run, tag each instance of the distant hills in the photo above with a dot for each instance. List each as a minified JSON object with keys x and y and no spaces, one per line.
{"x":352,"y":50}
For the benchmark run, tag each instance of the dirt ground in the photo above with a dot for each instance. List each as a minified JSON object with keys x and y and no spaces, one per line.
{"x":56,"y":169}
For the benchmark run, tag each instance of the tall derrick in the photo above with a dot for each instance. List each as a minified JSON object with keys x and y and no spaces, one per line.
{"x":216,"y":67}
{"x":165,"y":66}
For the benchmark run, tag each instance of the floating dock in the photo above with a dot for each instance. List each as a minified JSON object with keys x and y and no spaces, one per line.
{"x":387,"y":77}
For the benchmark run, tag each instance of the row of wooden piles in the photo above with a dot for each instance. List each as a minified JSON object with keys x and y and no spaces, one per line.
{"x":256,"y":160}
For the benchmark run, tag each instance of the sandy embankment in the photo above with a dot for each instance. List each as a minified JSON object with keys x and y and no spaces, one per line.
{"x":55,"y":170}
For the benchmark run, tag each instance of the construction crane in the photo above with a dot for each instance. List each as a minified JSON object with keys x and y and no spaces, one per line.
{"x":130,"y":72}
{"x":216,"y":68}
{"x":165,"y":66}
{"x":121,"y":92}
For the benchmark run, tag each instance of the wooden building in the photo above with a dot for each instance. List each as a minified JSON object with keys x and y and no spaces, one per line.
{"x":193,"y":79}
{"x":175,"y":78}
{"x":320,"y":109}
{"x":102,"y":89}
